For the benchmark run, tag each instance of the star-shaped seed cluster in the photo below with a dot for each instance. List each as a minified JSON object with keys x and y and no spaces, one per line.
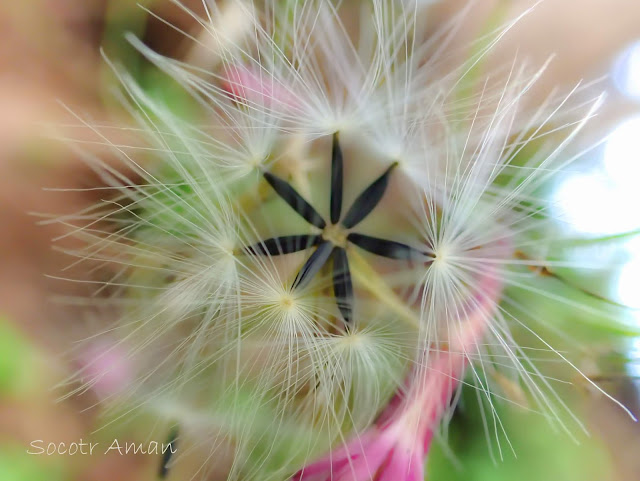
{"x":332,"y":241}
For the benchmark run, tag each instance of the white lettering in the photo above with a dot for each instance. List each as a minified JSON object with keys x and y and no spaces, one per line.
{"x":114,"y":445}
{"x":136,"y":448}
{"x":153,"y":448}
{"x":33,"y":445}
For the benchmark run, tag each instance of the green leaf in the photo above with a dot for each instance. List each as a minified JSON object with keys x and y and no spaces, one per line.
{"x":16,"y":361}
{"x":531,"y":450}
{"x":538,"y":298}
{"x":17,"y":465}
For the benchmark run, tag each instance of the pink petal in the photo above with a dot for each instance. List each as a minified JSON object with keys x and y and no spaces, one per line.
{"x":245,"y":85}
{"x":403,"y":466}
{"x":358,"y":460}
{"x":107,"y":369}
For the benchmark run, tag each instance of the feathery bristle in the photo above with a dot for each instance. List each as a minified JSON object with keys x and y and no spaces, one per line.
{"x":254,"y":232}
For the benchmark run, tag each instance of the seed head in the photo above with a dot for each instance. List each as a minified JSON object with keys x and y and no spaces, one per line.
{"x":325,"y":248}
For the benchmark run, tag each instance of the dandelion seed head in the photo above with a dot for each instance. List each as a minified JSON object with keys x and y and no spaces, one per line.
{"x":442,"y":257}
{"x":247,"y":297}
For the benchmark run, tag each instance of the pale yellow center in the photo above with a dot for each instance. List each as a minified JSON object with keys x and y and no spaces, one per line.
{"x":335,"y":234}
{"x":286,"y":302}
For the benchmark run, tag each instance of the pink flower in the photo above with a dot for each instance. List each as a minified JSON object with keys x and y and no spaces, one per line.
{"x":394,"y":448}
{"x":106,"y":369}
{"x":246,"y":85}
{"x":380,"y":455}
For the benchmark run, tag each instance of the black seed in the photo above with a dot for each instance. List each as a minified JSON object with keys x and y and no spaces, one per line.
{"x":368,"y":199}
{"x":336,"y":180}
{"x":295,"y":200}
{"x":284,"y":244}
{"x":170,"y":449}
{"x":313,"y":265}
{"x":342,"y":286}
{"x":383,"y":247}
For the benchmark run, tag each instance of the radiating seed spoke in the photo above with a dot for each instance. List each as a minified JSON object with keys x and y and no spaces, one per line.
{"x":342,"y":286}
{"x":284,"y":244}
{"x":336,"y":180}
{"x":368,"y":199}
{"x":361,"y":208}
{"x":295,"y":200}
{"x":384,"y":248}
{"x":313,"y":265}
